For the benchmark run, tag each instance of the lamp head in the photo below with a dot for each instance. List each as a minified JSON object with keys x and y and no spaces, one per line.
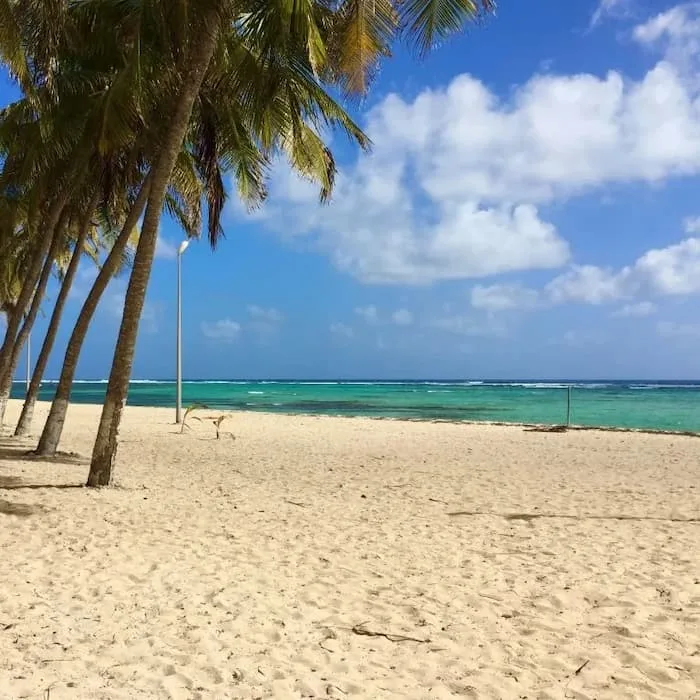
{"x":183,"y":247}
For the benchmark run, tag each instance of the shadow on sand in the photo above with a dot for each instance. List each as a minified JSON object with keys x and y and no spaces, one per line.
{"x":529,"y":517}
{"x":21,"y":450}
{"x":19,"y":510}
{"x":24,"y":510}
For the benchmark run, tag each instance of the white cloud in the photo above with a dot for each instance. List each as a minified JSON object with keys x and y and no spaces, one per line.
{"x":165,"y":250}
{"x":670,"y":271}
{"x":675,"y":31}
{"x":504,"y":297}
{"x":402,"y":317}
{"x":638,"y":310}
{"x":674,"y":270}
{"x":669,"y":329}
{"x":224,"y":330}
{"x":341,"y":330}
{"x":369,"y":314}
{"x":588,"y":284}
{"x":453,"y":186}
{"x":271,"y":315}
{"x":615,"y":9}
{"x":691,"y":225}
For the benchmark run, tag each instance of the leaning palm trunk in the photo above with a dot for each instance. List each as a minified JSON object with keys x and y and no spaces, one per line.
{"x":53,"y":428}
{"x":25,"y":420}
{"x":13,"y":355}
{"x":105,"y":448}
{"x":28,"y":288}
{"x":6,"y":387}
{"x":6,"y":381}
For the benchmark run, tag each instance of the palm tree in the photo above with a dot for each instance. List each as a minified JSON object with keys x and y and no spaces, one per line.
{"x":288,"y":130}
{"x":14,"y":341}
{"x":343,"y":45}
{"x":240,"y":82}
{"x":81,"y":241}
{"x":182,"y":203}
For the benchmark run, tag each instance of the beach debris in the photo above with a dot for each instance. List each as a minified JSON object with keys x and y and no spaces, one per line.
{"x":328,"y":633}
{"x":581,"y":667}
{"x":396,"y":638}
{"x":547,"y":429}
{"x":529,"y":517}
{"x":294,"y":503}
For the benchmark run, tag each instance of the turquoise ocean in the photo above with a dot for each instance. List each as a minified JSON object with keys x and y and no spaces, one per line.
{"x":620,"y":404}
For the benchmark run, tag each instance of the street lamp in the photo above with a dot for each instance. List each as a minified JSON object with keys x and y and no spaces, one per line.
{"x":29,"y":357}
{"x":178,"y":360}
{"x":29,"y":360}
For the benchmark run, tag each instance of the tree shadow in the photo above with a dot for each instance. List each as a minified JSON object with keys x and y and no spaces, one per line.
{"x":23,"y":453}
{"x":19,"y":510}
{"x":12,"y":483}
{"x":529,"y":517}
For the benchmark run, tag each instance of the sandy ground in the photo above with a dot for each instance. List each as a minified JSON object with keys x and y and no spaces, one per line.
{"x":328,"y":558}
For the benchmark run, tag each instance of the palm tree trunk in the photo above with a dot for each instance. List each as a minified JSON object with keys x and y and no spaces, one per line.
{"x":105,"y":448}
{"x":33,"y":275}
{"x":53,"y":428}
{"x":6,"y":383}
{"x":25,"y":420}
{"x":13,"y":356}
{"x":6,"y":387}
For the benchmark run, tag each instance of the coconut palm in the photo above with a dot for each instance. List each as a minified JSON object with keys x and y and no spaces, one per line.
{"x":275,"y":120}
{"x":342,"y":43}
{"x":239,"y":83}
{"x":182,"y":202}
{"x":25,"y":312}
{"x":82,"y":235}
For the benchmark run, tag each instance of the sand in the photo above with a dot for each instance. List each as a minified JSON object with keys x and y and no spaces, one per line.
{"x":263,"y":567}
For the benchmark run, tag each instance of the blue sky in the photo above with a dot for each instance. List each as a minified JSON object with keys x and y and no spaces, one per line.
{"x":529,"y":209}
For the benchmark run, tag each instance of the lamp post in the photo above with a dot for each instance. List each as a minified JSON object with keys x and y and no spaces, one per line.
{"x":29,"y":361}
{"x":29,"y":357}
{"x":178,"y":359}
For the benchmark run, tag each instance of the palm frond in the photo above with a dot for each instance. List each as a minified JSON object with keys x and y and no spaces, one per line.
{"x":429,"y":22}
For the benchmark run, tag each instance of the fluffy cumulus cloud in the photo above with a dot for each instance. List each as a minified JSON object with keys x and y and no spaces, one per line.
{"x":670,"y":271}
{"x":224,"y":330}
{"x":673,"y":271}
{"x":455,"y":186}
{"x":589,"y":284}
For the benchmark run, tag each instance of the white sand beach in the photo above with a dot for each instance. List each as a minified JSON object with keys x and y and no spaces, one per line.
{"x":324,"y":558}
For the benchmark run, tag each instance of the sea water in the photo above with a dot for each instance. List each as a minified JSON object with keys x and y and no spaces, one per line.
{"x":622,"y":404}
